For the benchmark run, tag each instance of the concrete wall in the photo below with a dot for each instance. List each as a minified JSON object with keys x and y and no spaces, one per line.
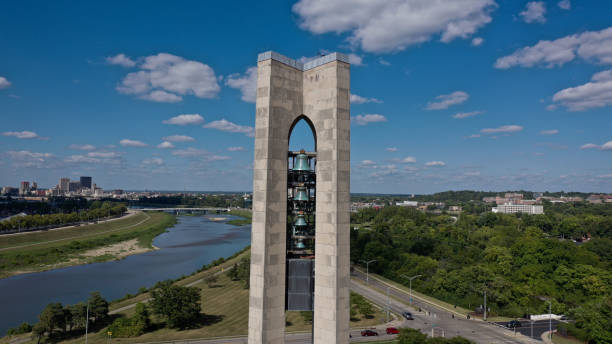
{"x":285,"y":91}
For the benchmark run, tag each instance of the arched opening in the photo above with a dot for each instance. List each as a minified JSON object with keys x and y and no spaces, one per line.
{"x":301,"y":206}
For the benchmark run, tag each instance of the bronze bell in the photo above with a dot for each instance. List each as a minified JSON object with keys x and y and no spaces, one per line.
{"x":300,"y":221}
{"x":301,"y":194}
{"x":301,"y":162}
{"x":300,"y":244}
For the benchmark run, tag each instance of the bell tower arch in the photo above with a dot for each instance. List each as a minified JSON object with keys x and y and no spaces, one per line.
{"x":287,"y":92}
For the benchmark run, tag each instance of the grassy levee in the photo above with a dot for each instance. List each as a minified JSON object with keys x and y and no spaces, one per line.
{"x":245,"y":220}
{"x":41,"y":251}
{"x":224,"y":306}
{"x":557,"y":339}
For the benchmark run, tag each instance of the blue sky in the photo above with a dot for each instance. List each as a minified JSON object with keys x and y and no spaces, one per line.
{"x":466,"y":94}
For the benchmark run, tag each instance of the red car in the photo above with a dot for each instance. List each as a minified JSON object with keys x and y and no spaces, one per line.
{"x":392,"y":330}
{"x":367,"y":333}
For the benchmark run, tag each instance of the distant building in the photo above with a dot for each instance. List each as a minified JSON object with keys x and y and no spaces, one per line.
{"x":74,"y":186}
{"x":24,"y":188}
{"x":86,"y":182}
{"x":595,"y":199}
{"x":455,"y":209}
{"x":10,"y":191}
{"x":510,"y":208}
{"x":407,"y":204}
{"x":64,"y":184}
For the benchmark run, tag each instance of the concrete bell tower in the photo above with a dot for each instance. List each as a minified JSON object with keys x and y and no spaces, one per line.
{"x":318,"y":92}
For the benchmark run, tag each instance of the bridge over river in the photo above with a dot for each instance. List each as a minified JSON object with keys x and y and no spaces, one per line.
{"x":178,"y":211}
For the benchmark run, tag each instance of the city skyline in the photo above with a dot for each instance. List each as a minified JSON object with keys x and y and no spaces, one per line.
{"x":492,"y":95}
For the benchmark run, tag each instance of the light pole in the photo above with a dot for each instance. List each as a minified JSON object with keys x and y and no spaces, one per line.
{"x":411,"y":278}
{"x":485,"y":305}
{"x":367,"y":263}
{"x":549,"y":319}
{"x":86,"y":321}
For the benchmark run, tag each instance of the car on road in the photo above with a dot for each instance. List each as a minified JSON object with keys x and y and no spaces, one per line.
{"x":407,"y":315}
{"x":392,"y":330}
{"x":368,"y":333}
{"x":514,"y":323}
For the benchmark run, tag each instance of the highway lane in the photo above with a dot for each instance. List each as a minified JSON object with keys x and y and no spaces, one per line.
{"x":432,"y":316}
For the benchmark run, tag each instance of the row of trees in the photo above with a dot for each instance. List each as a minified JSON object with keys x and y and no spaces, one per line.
{"x":57,"y":321}
{"x":518,"y":260}
{"x":241,"y":271}
{"x":54,"y":220}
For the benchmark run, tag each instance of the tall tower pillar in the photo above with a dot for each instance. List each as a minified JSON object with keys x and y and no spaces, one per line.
{"x":287,"y":91}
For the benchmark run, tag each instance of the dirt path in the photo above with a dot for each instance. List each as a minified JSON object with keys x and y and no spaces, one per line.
{"x":78,"y":237}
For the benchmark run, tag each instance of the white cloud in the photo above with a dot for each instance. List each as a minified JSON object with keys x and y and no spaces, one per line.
{"x":391,"y":149}
{"x":462,"y":115}
{"x":607,"y":146}
{"x":225,"y":125}
{"x":121,"y":60}
{"x":367,"y":119}
{"x":444,"y":101}
{"x":235,"y":149}
{"x":161,"y":96}
{"x":549,"y":132}
{"x":185,"y":119}
{"x":590,"y":146}
{"x":367,"y":163}
{"x":85,"y":147}
{"x":165,"y":145}
{"x":356,"y":99}
{"x":474,"y":136}
{"x":408,"y":160}
{"x":28,"y":159}
{"x":4,"y":83}
{"x":386,"y":26}
{"x":605,"y":176}
{"x":472,"y":174}
{"x":534,"y":11}
{"x":167,"y":78}
{"x":435,"y":163}
{"x":594,"y":94}
{"x":153,"y":161}
{"x":355,"y":60}
{"x":106,"y":155}
{"x":502,"y":129}
{"x":199,"y":154}
{"x":591,"y":46}
{"x":383,"y":62}
{"x":132,"y":143}
{"x":246,"y":83}
{"x":477,"y":41}
{"x":21,"y":134}
{"x":25,"y":155}
{"x":178,"y":138}
{"x":564,"y":4}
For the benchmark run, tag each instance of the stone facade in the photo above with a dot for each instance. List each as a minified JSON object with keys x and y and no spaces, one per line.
{"x":288,"y":91}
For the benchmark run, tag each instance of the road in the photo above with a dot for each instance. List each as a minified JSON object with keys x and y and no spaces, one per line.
{"x":432,"y":316}
{"x":539,"y":327}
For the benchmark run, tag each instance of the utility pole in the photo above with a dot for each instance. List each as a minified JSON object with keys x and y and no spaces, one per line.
{"x":410,"y":279}
{"x":485,"y":305}
{"x":550,"y":319}
{"x":367,"y":263}
{"x":87,"y":322}
{"x":388,"y":304}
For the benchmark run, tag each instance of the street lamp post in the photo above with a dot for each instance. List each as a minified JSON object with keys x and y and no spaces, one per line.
{"x":550,"y":319}
{"x":367,"y":263}
{"x":411,"y":278}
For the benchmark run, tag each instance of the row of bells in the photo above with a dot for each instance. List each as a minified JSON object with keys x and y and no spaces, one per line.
{"x":301,"y":194}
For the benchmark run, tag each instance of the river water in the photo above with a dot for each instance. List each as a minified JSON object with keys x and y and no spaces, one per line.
{"x":194,"y":241}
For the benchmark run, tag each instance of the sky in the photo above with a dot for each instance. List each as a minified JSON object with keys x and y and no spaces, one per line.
{"x":445,"y":95}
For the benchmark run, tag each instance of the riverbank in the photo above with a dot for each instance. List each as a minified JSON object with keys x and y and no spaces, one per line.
{"x":246,"y":217}
{"x":41,"y":251}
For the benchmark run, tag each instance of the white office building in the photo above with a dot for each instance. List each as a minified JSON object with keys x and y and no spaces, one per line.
{"x":509,"y":208}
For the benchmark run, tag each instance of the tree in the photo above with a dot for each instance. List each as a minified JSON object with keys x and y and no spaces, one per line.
{"x":98,"y":306}
{"x":411,"y":336}
{"x":211,"y":281}
{"x":51,"y":318}
{"x":79,"y":314}
{"x":179,"y":306}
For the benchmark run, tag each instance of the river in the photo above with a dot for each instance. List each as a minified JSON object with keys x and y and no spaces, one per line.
{"x":194,"y":241}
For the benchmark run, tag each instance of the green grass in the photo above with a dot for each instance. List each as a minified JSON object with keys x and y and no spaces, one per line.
{"x":245,"y":220}
{"x":558,"y":339}
{"x":227,"y":301}
{"x":46,"y":250}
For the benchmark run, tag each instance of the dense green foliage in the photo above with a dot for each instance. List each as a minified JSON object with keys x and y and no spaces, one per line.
{"x":202,"y":200}
{"x":55,"y":220}
{"x":246,"y":217}
{"x":518,"y":260}
{"x":179,"y":306}
{"x":21,"y":329}
{"x":241,"y":271}
{"x":412,"y":336}
{"x":359,"y":305}
{"x":57,"y":321}
{"x":133,"y":326}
